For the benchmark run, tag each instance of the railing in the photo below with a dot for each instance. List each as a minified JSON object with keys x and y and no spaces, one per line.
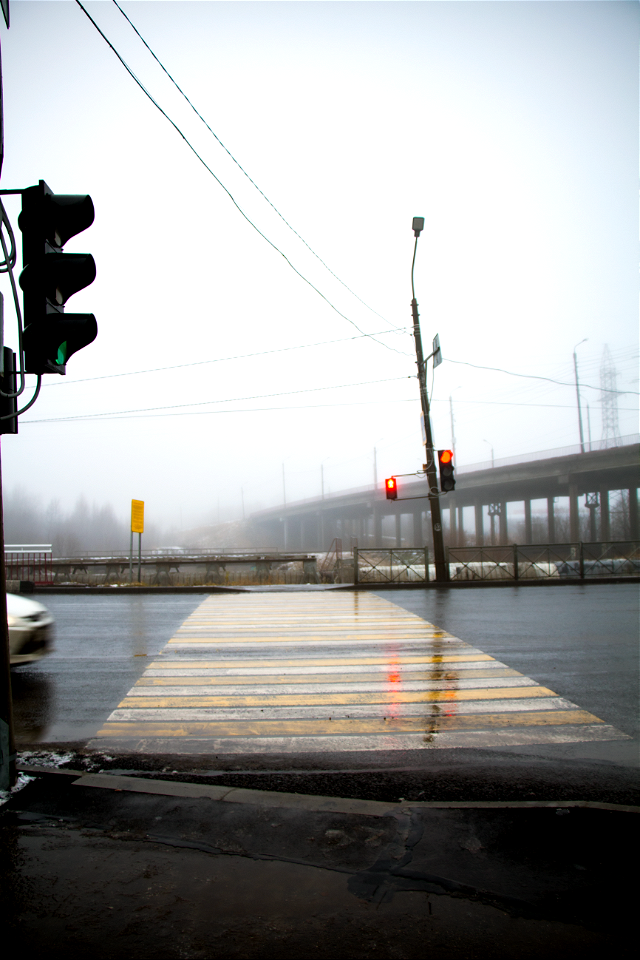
{"x":32,"y":562}
{"x":577,"y":561}
{"x":396,"y":565}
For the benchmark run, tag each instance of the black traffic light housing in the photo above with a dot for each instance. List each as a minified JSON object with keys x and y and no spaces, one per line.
{"x":8,"y":385}
{"x":391,"y":488}
{"x":49,"y":277}
{"x":447,"y":471}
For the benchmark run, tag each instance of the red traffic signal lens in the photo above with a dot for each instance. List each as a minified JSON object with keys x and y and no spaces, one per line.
{"x":391,"y":488}
{"x":445,"y":456}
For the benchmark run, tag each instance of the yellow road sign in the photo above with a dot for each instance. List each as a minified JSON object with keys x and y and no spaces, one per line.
{"x":137,"y":516}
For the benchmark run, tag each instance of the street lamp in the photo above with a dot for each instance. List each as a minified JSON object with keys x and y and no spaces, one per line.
{"x":575,"y":371}
{"x":322,"y":508}
{"x":442,"y":570}
{"x":491,"y":448}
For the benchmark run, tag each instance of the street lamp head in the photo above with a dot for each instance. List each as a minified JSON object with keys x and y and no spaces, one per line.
{"x":417,"y":226}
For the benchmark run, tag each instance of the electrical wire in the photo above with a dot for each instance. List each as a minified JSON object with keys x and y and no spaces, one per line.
{"x":251,"y":181}
{"x":260,"y":396}
{"x":14,"y":416}
{"x":7,"y":266}
{"x":229,"y":194}
{"x":198,"y":363}
{"x":124,"y":415}
{"x":531,"y":376}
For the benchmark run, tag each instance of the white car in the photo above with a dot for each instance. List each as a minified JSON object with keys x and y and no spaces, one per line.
{"x":29,"y":629}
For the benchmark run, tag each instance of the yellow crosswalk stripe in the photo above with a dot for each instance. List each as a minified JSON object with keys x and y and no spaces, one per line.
{"x":247,"y":673}
{"x":274,"y":728}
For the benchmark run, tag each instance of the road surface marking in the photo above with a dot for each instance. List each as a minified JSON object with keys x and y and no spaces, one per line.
{"x":325,"y":671}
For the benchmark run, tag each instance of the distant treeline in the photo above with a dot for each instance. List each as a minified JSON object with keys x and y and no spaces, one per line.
{"x":85,"y":527}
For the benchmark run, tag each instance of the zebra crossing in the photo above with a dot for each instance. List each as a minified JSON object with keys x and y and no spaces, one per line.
{"x":331,"y":671}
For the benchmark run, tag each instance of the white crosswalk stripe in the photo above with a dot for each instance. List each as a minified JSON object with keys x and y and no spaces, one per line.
{"x":309,"y":672}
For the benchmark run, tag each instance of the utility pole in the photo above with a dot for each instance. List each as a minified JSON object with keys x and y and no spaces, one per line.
{"x":375,"y":468}
{"x":575,"y":371}
{"x":442,"y":570}
{"x":7,"y":741}
{"x":453,"y":432}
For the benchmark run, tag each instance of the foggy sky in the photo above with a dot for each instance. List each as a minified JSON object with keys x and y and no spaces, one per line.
{"x":511,"y":127}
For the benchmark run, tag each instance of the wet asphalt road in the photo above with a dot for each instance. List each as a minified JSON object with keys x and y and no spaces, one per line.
{"x":101,"y":645}
{"x":581,"y":641}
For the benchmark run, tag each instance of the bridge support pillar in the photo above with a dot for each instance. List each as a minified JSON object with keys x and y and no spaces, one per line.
{"x":377,"y":527}
{"x":453,"y":527}
{"x":528,"y":532}
{"x":551,"y":521}
{"x":417,"y":528}
{"x":574,"y":516}
{"x":479,"y":525}
{"x":605,"y":521}
{"x":504,"y":533}
{"x":460,"y":526}
{"x":633,"y":513}
{"x":398,"y":529}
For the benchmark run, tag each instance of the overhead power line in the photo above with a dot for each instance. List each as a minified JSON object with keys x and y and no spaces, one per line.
{"x":259,"y":396}
{"x":228,"y":192}
{"x":240,"y":167}
{"x":531,"y":376}
{"x":198,"y":363}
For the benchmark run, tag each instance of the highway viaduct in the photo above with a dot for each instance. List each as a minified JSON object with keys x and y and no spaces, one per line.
{"x":365,"y":515}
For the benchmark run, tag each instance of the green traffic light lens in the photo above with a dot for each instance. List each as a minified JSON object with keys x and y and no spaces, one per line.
{"x":62,"y":353}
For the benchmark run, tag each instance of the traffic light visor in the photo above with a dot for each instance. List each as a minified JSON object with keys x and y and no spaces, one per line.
{"x":57,"y":217}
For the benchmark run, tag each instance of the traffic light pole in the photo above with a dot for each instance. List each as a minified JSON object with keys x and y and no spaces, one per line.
{"x":7,"y":744}
{"x":442,"y":570}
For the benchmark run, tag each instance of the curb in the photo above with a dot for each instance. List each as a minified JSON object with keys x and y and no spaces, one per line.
{"x":309,"y":802}
{"x":299,"y":588}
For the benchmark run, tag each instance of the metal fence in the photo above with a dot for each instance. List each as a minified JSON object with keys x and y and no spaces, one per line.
{"x":576,"y":561}
{"x":397,"y":565}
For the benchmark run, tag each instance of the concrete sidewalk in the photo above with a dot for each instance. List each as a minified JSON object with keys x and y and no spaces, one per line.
{"x":121,"y":867}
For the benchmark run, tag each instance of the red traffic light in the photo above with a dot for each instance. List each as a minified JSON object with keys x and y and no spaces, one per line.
{"x":447,"y":472}
{"x":391,"y":488}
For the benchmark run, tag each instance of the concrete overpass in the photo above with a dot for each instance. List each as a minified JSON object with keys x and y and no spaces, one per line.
{"x":366,"y":515}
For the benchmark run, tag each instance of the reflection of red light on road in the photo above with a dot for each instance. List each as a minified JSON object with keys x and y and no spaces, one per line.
{"x":394,"y":676}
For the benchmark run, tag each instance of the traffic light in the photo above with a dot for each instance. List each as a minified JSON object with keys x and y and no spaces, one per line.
{"x":49,"y":277}
{"x":447,"y":475}
{"x":391,"y":488}
{"x":8,"y":385}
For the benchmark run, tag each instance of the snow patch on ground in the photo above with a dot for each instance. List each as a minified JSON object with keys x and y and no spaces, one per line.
{"x":44,"y":758}
{"x":22,"y":781}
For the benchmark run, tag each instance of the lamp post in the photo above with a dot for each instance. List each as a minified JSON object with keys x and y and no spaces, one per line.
{"x":575,"y":371}
{"x":491,"y":448}
{"x":322,"y":506}
{"x":442,"y":570}
{"x":284,"y":512}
